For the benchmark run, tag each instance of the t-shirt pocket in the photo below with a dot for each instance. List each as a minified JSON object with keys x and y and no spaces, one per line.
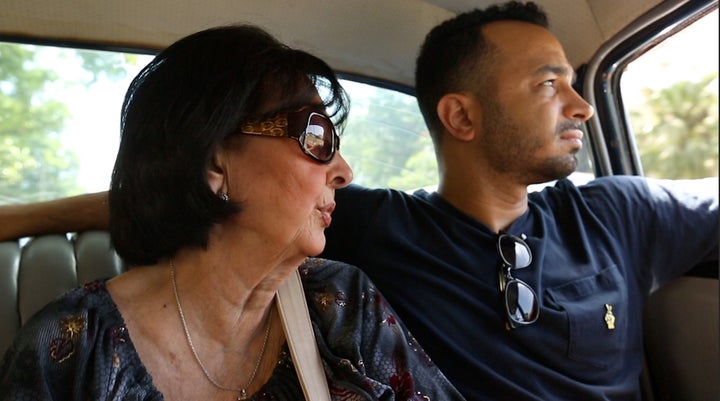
{"x":597,"y":315}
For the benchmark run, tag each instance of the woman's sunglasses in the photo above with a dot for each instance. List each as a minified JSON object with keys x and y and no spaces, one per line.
{"x":521,"y":302}
{"x":311,"y":129}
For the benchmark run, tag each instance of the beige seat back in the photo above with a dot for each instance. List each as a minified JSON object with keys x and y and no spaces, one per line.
{"x":33,"y":272}
{"x":681,"y":325}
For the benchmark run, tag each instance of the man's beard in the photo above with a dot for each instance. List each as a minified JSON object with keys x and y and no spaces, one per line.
{"x":509,"y":151}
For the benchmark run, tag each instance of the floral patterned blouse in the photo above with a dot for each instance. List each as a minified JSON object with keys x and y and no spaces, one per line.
{"x":77,"y":348}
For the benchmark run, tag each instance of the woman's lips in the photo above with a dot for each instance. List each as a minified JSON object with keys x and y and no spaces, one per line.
{"x":326,"y":213}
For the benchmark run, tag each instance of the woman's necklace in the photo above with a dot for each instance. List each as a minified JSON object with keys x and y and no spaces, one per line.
{"x":242,"y":391}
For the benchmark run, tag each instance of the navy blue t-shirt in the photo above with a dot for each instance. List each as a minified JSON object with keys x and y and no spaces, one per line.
{"x":609,"y":242}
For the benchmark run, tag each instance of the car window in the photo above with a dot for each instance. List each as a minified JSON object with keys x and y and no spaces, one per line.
{"x":385,"y":140}
{"x":670,"y":95}
{"x":59,"y":119}
{"x":59,"y":125}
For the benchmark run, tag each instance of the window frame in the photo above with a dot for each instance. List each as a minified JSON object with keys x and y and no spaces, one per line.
{"x":612,"y":142}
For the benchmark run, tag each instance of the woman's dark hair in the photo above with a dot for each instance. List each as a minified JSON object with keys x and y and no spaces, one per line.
{"x":456,"y":58}
{"x":179,"y":110}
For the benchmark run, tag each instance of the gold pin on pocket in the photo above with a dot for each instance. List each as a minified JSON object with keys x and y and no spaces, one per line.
{"x":609,"y":317}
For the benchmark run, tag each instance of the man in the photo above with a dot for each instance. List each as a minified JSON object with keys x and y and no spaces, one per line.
{"x":514,"y":295}
{"x":496,"y":92}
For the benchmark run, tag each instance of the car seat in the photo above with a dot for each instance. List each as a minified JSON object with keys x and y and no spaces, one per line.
{"x":35,"y":271}
{"x":681,"y":323}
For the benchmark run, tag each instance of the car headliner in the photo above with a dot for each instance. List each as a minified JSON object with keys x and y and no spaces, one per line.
{"x":371,"y":38}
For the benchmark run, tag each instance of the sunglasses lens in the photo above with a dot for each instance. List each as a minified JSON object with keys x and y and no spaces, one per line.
{"x":319,"y":137}
{"x":514,"y":251}
{"x":521,"y":302}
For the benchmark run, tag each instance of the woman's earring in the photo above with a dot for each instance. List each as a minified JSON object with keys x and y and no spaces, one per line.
{"x":224,"y":196}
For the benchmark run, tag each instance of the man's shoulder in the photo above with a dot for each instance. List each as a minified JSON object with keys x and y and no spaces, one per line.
{"x":386,"y":196}
{"x":355,"y":191}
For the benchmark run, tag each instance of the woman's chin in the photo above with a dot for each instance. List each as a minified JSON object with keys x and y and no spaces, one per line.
{"x":316,"y":247}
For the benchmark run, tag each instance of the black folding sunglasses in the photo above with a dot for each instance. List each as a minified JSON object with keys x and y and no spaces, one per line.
{"x":311,"y":129}
{"x":521,"y":302}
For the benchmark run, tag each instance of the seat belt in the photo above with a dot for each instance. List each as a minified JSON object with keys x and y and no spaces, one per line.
{"x":295,"y":318}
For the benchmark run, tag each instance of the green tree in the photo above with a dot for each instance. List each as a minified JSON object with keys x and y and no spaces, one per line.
{"x":103,"y":63}
{"x":677,"y":133}
{"x":34,"y":163}
{"x":386,"y":142}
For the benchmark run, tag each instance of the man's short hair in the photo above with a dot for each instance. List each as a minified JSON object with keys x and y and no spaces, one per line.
{"x":456,"y":58}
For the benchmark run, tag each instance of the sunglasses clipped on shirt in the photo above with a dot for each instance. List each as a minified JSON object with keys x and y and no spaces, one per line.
{"x":312,"y":130}
{"x":521,"y":302}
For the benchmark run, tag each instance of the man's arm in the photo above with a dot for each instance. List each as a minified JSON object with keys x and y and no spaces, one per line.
{"x":77,"y":213}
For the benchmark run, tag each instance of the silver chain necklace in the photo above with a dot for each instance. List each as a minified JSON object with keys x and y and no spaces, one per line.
{"x":242,"y":392}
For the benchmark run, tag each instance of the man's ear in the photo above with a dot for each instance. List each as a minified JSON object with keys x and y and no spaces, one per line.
{"x":454,"y":111}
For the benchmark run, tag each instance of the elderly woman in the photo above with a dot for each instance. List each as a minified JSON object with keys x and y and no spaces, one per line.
{"x":223,"y":185}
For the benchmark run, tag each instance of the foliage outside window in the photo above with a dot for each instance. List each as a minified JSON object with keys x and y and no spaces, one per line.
{"x":671,"y":93}
{"x":59,"y":125}
{"x":59,"y":119}
{"x":385,"y":140}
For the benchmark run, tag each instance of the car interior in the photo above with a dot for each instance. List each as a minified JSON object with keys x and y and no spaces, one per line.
{"x":374,"y":43}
